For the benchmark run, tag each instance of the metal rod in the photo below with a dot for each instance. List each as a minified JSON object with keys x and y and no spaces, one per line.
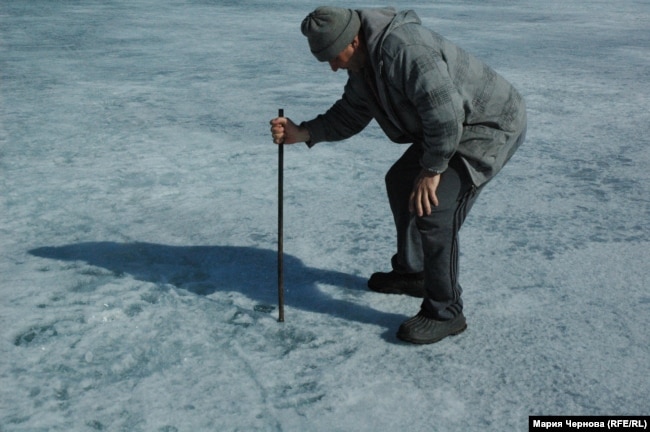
{"x":280,"y":226}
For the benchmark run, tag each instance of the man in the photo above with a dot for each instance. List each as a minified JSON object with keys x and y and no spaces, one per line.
{"x":463,"y":123}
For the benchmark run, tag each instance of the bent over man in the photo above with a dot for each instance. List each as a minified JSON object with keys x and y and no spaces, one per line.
{"x":462,"y":122}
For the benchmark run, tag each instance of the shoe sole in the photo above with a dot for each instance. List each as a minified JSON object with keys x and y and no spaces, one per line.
{"x":430,"y":341}
{"x":394,"y":291}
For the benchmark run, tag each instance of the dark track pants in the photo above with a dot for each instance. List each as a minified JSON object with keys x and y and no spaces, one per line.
{"x":430,"y":243}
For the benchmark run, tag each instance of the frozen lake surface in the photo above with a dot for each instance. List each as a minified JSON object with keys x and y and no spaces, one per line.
{"x":138,"y":228}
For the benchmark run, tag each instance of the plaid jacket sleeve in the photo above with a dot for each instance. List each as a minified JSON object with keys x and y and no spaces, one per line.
{"x":347,"y":117}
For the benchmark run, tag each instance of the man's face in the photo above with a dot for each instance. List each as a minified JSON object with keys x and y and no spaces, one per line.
{"x":351,"y":58}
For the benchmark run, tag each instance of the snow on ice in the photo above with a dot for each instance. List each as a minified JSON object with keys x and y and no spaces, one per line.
{"x":138,"y":228}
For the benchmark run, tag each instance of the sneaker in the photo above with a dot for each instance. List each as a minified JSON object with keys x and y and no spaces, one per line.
{"x":398,"y":283}
{"x":423,"y":330}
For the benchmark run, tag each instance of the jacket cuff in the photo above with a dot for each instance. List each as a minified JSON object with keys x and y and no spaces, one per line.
{"x":316,"y":132}
{"x":434,"y":165}
{"x":434,"y":171}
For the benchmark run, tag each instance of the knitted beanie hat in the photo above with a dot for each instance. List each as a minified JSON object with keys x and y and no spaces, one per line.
{"x":329,"y":30}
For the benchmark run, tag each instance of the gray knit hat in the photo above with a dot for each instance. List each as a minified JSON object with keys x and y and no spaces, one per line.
{"x":329,"y":30}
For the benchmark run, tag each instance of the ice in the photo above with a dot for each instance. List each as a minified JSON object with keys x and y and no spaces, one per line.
{"x":138,"y":229}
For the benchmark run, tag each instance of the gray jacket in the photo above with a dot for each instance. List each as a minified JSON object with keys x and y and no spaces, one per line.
{"x":421,"y":88}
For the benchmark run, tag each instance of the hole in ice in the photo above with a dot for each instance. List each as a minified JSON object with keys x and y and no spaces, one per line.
{"x":264,"y":308}
{"x":35,"y":334}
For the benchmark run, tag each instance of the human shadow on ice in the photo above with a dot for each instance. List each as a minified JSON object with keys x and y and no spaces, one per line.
{"x":204,"y":270}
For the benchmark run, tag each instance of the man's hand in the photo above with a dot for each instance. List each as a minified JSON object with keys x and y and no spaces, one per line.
{"x":284,"y":131}
{"x":424,"y":193}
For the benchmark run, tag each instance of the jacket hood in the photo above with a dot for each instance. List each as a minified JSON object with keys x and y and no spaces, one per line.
{"x":377,"y":23}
